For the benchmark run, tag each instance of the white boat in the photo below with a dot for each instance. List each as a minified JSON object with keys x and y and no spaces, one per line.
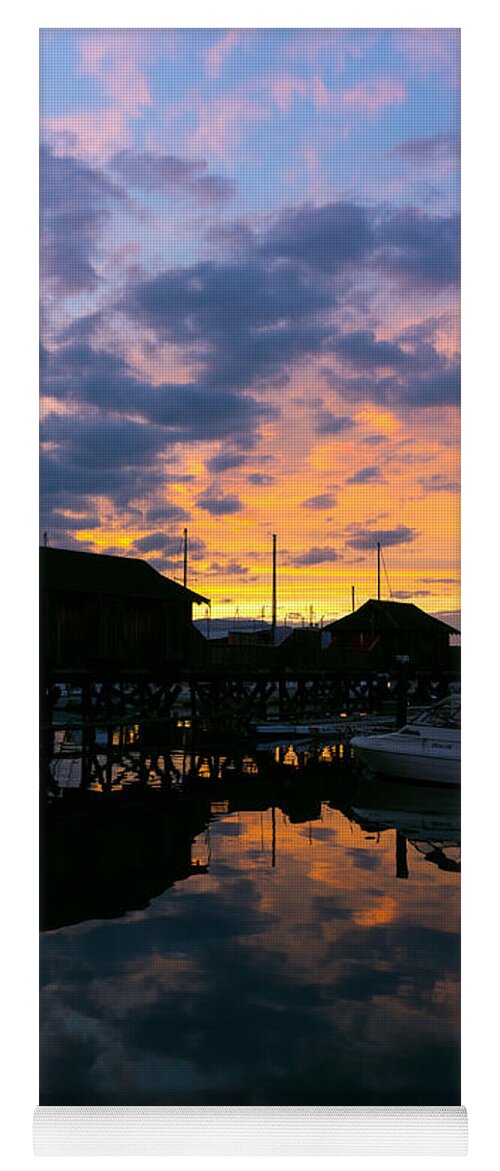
{"x":426,"y":749}
{"x":316,"y":729}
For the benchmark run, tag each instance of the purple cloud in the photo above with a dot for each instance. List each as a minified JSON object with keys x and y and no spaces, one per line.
{"x":323,"y":500}
{"x":225,"y":461}
{"x":430,"y":150}
{"x":329,"y":424}
{"x":365,"y":476}
{"x":217,"y":504}
{"x":316,"y":556}
{"x":369,"y":539}
{"x":76,"y":203}
{"x":260,"y":480}
{"x":439,"y":482}
{"x":170,"y":175}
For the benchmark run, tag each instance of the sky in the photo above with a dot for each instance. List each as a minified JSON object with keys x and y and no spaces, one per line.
{"x":250,"y":309}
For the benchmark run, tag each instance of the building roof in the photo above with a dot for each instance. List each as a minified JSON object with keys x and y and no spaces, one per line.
{"x":97,"y":573}
{"x":376,"y":617}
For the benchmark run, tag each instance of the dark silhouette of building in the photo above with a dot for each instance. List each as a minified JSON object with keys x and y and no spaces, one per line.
{"x":302,"y":649}
{"x":381,"y":636}
{"x":101,"y":612}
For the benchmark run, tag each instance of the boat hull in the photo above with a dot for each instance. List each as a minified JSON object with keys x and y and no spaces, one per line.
{"x":392,"y":760}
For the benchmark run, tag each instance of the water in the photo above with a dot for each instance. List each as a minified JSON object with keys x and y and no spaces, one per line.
{"x":252,"y":940}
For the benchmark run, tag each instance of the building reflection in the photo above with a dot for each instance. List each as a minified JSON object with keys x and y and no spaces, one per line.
{"x":123,"y":813}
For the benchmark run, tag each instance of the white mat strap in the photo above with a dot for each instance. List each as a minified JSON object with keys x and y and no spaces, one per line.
{"x":250,"y":1130}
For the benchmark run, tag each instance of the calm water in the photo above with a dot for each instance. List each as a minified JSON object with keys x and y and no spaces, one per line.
{"x":254,"y":948}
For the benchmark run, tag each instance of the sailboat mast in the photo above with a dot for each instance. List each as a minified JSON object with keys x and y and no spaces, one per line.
{"x":378,"y":570}
{"x":274,"y":589}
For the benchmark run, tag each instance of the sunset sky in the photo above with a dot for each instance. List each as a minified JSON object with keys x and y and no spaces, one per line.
{"x":250,"y":308}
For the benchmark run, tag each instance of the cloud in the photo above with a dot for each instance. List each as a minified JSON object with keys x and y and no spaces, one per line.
{"x":316,"y":556}
{"x":171,"y":175}
{"x":169,"y":545}
{"x":327,"y":45}
{"x":365,"y":98}
{"x":423,"y":248}
{"x":441,"y":151}
{"x":283,"y":88}
{"x":365,"y":476}
{"x":228,"y":569}
{"x":96,"y":456}
{"x":260,"y":480}
{"x":441,"y":580}
{"x":76,"y":203}
{"x":216,"y":55}
{"x":431,"y":50}
{"x":368,"y":539}
{"x":165,"y":513}
{"x":324,"y":500}
{"x":361,"y":348}
{"x":89,"y":136}
{"x":115,"y":57}
{"x":225,"y":461}
{"x":158,"y":543}
{"x":102,"y":380}
{"x":268,"y":301}
{"x":410,"y":372}
{"x":403,"y":595}
{"x":439,"y":482}
{"x":222,"y":122}
{"x":249,"y":319}
{"x":370,"y":97}
{"x":218,"y":504}
{"x":117,"y":60}
{"x":325,"y":238}
{"x":328,"y":423}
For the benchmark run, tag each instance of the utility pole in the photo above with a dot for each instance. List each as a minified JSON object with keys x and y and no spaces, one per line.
{"x":185,"y":558}
{"x":378,"y":570}
{"x":273,"y":621}
{"x":352,"y":599}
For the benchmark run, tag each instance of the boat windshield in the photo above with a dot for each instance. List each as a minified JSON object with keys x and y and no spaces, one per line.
{"x":444,"y":715}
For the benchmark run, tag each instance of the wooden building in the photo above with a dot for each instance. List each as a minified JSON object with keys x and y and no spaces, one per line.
{"x":302,"y":649}
{"x":242,"y":650}
{"x":105,"y":613}
{"x":381,"y":636}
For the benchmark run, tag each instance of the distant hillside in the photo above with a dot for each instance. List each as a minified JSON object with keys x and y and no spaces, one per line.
{"x":221,"y":627}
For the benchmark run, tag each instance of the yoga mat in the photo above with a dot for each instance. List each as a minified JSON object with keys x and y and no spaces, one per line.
{"x":249,"y":592}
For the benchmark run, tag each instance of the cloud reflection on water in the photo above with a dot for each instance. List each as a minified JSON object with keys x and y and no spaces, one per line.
{"x":322,"y":980}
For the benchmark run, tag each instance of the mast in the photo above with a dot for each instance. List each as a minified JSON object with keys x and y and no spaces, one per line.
{"x":185,"y":558}
{"x":273,"y":840}
{"x":401,"y":856}
{"x":273,"y":621}
{"x":378,"y":570}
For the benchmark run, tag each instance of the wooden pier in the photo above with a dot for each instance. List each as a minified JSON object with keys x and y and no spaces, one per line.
{"x":236,"y":700}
